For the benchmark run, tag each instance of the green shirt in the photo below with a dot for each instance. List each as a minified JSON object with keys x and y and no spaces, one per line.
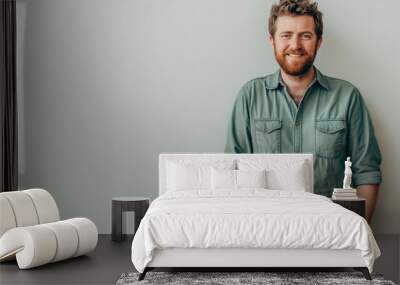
{"x":331,"y":122}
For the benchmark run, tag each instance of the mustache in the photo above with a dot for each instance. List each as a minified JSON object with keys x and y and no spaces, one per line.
{"x":296,"y":52}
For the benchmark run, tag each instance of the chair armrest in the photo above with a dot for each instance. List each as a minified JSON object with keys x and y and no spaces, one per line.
{"x":40,"y":244}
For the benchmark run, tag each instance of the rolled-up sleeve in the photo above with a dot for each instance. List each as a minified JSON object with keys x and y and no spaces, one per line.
{"x":239,"y":135}
{"x":362,"y":144}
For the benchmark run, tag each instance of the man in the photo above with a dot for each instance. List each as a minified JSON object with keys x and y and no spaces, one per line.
{"x":298,"y":109}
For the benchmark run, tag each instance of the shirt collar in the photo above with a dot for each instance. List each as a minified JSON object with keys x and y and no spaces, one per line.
{"x":274,"y":80}
{"x":321,"y":79}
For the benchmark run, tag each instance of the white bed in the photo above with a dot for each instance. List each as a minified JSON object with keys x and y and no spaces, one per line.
{"x":250,"y":227}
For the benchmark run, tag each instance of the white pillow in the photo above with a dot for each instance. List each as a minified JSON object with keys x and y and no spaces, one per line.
{"x":223,"y":179}
{"x":193,"y":174}
{"x":281,"y":174}
{"x":236,"y":179}
{"x":251,"y":178}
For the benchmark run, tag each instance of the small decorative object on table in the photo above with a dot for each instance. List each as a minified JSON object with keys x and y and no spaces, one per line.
{"x":347,"y":196}
{"x":123,"y":204}
{"x":345,"y":193}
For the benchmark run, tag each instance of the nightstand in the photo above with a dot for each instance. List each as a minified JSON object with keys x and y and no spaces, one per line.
{"x":355,"y":205}
{"x":139,"y":205}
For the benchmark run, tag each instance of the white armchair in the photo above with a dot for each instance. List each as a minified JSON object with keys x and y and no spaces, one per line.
{"x":32,"y":233}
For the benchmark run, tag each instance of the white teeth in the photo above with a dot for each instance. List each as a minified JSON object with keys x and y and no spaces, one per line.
{"x":296,"y":55}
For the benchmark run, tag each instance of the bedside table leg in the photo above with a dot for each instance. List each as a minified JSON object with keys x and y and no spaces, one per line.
{"x":116,"y":222}
{"x":140,"y":211}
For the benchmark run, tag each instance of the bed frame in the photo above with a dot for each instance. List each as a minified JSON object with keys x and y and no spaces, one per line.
{"x":246,"y":258}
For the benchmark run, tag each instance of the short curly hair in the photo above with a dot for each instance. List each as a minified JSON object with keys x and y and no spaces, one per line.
{"x":296,"y":8}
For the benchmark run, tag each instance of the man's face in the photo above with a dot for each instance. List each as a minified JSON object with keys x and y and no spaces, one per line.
{"x":295,"y":43}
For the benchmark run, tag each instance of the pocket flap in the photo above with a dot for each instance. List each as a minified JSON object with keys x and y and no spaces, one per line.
{"x":268,"y":126}
{"x":331,"y":126}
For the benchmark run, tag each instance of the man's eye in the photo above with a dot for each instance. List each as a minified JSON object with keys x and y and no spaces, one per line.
{"x":285,"y":36}
{"x":307,"y":37}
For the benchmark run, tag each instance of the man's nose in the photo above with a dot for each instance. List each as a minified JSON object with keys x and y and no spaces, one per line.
{"x":295,"y":42}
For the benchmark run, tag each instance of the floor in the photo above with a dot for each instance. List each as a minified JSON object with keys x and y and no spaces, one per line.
{"x":102,"y":266}
{"x":111,"y":259}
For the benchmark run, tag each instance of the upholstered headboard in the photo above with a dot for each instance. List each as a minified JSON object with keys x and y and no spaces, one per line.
{"x":297,"y":157}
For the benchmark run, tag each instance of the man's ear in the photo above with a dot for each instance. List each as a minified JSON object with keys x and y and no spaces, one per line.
{"x":271,"y":40}
{"x":319,"y":43}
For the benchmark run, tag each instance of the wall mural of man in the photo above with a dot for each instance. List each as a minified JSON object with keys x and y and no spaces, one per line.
{"x":300,"y":110}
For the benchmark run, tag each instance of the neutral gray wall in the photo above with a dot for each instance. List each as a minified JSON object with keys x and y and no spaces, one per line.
{"x":105,"y":86}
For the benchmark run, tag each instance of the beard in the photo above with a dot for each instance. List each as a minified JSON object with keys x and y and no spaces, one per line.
{"x":296,"y":66}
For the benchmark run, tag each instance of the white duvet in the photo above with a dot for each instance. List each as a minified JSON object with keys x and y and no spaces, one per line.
{"x":250,"y":218}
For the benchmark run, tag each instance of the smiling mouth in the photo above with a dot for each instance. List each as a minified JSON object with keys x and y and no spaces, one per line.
{"x":294,"y":55}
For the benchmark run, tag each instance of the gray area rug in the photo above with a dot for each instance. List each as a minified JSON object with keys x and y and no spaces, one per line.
{"x":229,"y":278}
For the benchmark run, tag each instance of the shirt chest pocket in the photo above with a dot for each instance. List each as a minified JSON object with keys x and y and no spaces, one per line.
{"x":330,"y":138}
{"x":267,"y":136}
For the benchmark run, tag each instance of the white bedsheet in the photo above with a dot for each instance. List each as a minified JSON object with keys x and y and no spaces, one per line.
{"x":250,"y":218}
